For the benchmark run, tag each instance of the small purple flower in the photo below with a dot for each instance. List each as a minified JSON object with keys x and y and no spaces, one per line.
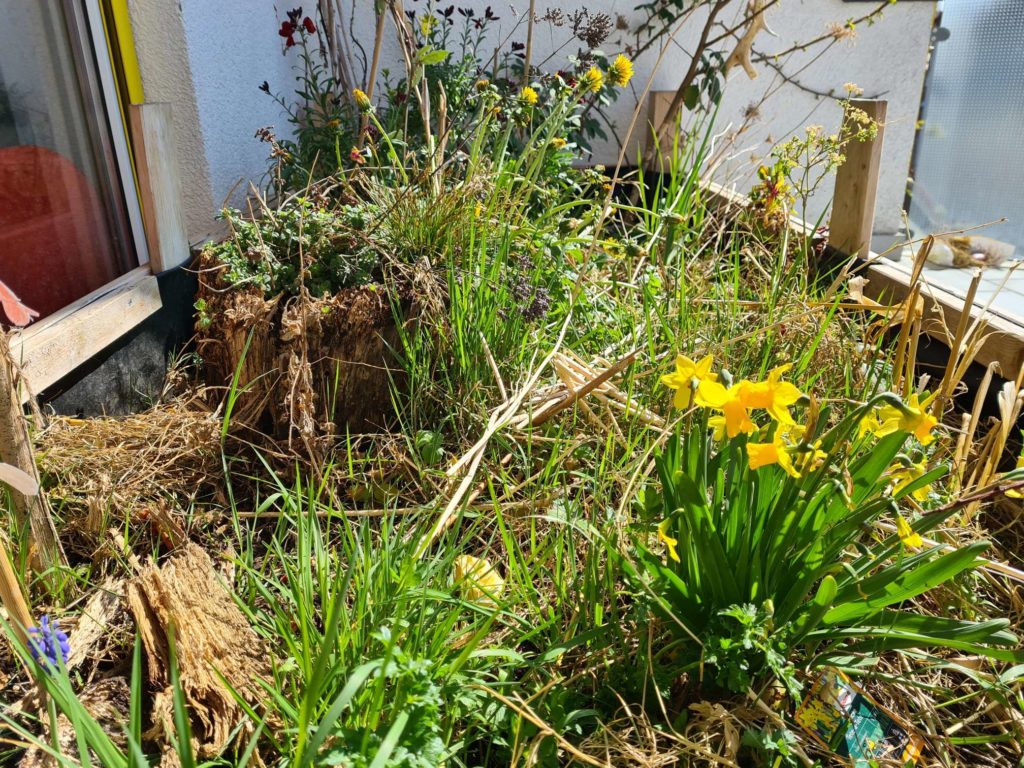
{"x":47,"y":641}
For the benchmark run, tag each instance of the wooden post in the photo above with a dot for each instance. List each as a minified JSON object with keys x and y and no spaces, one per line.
{"x":853,"y":207}
{"x":658,"y":156}
{"x":16,"y":450}
{"x":159,"y":185}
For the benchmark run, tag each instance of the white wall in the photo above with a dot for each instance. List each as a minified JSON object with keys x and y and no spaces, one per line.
{"x":233,"y":46}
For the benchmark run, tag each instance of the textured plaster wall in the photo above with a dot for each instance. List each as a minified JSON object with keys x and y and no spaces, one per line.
{"x":221,"y":51}
{"x":167,"y":77}
{"x":233,"y":46}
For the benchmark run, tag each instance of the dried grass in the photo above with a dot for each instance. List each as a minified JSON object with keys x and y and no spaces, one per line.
{"x":102,"y":470}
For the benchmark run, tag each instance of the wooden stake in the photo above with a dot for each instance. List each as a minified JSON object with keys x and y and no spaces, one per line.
{"x":12,"y":597}
{"x":16,"y":450}
{"x":853,"y":207}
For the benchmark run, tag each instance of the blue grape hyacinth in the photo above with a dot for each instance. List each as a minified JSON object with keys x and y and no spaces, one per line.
{"x":47,"y":641}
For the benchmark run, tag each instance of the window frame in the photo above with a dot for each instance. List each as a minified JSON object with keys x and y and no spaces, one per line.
{"x":89,"y":36}
{"x":51,"y":349}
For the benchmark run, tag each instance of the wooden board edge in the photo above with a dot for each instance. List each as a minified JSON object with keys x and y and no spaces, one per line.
{"x":55,"y":347}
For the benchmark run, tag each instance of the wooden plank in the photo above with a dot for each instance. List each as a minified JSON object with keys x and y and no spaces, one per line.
{"x":658,"y":103}
{"x":52,"y":348}
{"x":16,"y":451}
{"x":159,"y":185}
{"x":888,"y":282}
{"x":853,"y":206}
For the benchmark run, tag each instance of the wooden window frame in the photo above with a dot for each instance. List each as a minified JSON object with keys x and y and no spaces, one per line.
{"x":140,"y":140}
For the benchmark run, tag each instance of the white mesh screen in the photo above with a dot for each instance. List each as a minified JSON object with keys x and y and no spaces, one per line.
{"x":969,"y":160}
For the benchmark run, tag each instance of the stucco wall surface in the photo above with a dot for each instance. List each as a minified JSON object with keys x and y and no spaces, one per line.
{"x":231,"y":46}
{"x":167,"y":77}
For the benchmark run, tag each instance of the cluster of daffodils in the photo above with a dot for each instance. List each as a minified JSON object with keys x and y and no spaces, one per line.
{"x":791,"y":446}
{"x":695,"y":384}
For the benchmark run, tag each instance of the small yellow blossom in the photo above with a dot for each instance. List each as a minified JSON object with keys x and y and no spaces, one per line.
{"x":788,"y":450}
{"x":558,"y":142}
{"x":592,"y":80}
{"x":687,"y":377}
{"x":479,"y":581}
{"x":773,"y":395}
{"x":362,"y":100}
{"x":667,"y":540}
{"x":427,"y":24}
{"x":717,"y":424}
{"x":912,"y":417}
{"x":903,"y":476}
{"x":730,"y":402}
{"x":529,"y":95}
{"x":621,"y":71}
{"x":477,"y":210}
{"x":906,"y":533}
{"x":482,"y":84}
{"x":1017,"y":493}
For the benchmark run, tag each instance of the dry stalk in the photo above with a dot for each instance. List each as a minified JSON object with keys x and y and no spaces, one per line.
{"x":16,"y":450}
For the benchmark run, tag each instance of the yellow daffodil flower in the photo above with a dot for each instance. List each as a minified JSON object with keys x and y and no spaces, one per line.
{"x":730,"y":402}
{"x":868,"y":424}
{"x":904,"y":476}
{"x":1017,"y":493}
{"x":687,"y":377}
{"x":621,"y":71}
{"x":912,"y":418}
{"x":479,"y":581}
{"x":773,"y":395}
{"x":529,"y":95}
{"x":667,"y":540}
{"x":907,"y":535}
{"x":788,"y":450}
{"x":766,"y":454}
{"x":592,"y":80}
{"x":717,"y":424}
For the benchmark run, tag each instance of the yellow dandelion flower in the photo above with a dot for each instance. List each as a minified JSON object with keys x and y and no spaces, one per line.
{"x":667,"y":540}
{"x":479,"y":581}
{"x":558,"y":142}
{"x":362,"y":100}
{"x":621,"y":71}
{"x":592,"y":80}
{"x":529,"y":95}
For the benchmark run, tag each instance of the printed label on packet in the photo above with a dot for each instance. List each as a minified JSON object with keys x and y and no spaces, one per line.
{"x":843,"y":718}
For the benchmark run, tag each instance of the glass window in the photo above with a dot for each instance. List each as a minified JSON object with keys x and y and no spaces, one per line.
{"x":63,"y":223}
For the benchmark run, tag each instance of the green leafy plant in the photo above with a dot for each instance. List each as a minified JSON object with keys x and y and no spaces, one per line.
{"x":322,"y":118}
{"x":770,"y":555}
{"x":272,"y":252}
